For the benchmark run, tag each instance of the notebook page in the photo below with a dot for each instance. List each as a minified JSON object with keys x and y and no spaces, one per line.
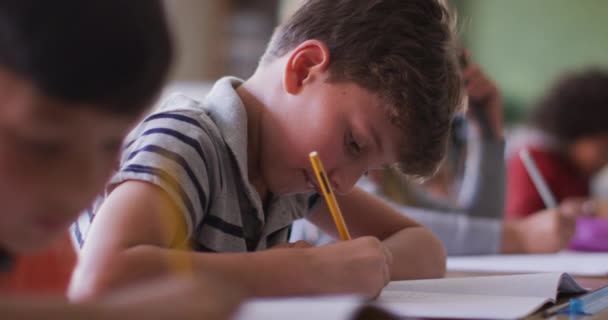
{"x":574,"y":263}
{"x":461,"y":306}
{"x":541,"y":285}
{"x":300,"y":308}
{"x":490,"y":297}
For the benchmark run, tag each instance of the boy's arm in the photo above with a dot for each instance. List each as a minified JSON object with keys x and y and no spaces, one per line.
{"x":460,"y":233}
{"x":135,"y":230}
{"x":176,"y":298}
{"x":13,"y":308}
{"x":417,"y":253}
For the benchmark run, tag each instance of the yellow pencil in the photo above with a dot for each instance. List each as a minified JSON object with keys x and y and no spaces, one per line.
{"x":329,"y":195}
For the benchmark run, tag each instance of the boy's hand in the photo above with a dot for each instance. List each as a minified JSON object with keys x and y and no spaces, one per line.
{"x":358,"y":266}
{"x":184,"y":297}
{"x":485,"y":101}
{"x":600,"y":207}
{"x":546,"y":231}
{"x":586,"y":207}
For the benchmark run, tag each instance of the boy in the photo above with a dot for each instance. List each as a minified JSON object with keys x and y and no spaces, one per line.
{"x":364,"y":83}
{"x":74,"y":77}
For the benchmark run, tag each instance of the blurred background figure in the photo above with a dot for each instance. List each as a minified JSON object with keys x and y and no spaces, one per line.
{"x":567,"y":136}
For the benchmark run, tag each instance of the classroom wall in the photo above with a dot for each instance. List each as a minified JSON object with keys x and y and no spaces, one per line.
{"x":524,"y":44}
{"x":286,"y":8}
{"x":219,"y":37}
{"x":199,"y":29}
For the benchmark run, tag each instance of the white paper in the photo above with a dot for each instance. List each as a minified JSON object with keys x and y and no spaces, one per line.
{"x":456,"y":306}
{"x":492,"y":297}
{"x":300,"y":308}
{"x":495,"y":297}
{"x":574,"y":263}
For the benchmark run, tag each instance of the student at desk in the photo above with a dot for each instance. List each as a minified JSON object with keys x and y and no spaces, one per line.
{"x":567,"y":136}
{"x":74,"y":76}
{"x":366,"y":84}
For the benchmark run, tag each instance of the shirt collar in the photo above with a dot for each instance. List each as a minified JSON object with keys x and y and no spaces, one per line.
{"x":227,"y":110}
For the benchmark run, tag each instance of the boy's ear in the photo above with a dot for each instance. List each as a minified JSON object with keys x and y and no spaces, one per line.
{"x":306,"y":63}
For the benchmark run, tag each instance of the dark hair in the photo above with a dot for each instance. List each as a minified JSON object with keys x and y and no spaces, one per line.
{"x":575,"y":106}
{"x":114,"y":53}
{"x":402,"y":50}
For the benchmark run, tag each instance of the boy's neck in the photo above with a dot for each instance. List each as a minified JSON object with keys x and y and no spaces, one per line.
{"x":254,"y":107}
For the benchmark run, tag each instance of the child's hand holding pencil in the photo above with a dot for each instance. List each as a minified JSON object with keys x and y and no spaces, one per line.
{"x":358,"y":266}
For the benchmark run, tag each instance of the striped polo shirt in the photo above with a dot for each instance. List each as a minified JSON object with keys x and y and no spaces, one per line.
{"x":197,"y":153}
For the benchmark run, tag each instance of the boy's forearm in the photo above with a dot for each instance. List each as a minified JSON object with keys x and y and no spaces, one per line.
{"x":273,"y":272}
{"x":417,"y":254}
{"x":18,"y":308}
{"x":265,"y":273}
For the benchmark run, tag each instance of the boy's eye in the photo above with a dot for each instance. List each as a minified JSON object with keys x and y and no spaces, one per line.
{"x":352,"y":146}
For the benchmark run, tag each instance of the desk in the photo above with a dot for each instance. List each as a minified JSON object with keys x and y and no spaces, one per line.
{"x":586,"y":282}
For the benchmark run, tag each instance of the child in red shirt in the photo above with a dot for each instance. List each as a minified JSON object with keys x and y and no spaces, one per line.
{"x":568,"y":142}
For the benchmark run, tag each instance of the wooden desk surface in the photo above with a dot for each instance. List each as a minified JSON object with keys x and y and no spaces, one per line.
{"x":586,"y":282}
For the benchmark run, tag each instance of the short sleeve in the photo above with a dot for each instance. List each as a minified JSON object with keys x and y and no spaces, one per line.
{"x":176,"y":151}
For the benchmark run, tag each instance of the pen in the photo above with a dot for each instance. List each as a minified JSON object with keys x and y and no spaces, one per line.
{"x":587,"y":304}
{"x":537,"y":179}
{"x":558,"y":308}
{"x":590,"y":303}
{"x":328,"y":194}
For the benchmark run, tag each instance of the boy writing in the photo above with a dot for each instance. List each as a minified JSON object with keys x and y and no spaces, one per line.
{"x":366,"y":84}
{"x":74,"y":76}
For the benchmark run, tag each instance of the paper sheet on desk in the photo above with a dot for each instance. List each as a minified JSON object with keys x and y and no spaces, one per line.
{"x":300,"y":308}
{"x":574,"y":263}
{"x":494,"y":297}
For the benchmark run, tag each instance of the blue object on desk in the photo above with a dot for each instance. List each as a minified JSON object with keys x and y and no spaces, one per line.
{"x":590,"y":303}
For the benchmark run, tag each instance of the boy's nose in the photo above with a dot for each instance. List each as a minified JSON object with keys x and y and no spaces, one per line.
{"x":344,"y":179}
